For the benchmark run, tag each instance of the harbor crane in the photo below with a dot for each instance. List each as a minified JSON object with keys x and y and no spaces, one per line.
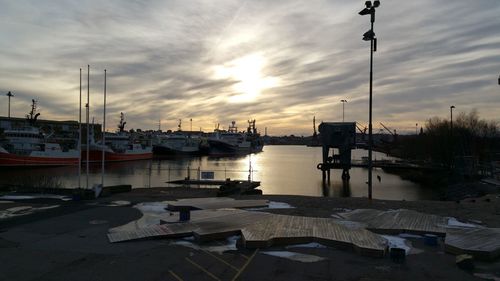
{"x":394,"y":134}
{"x":361,"y":131}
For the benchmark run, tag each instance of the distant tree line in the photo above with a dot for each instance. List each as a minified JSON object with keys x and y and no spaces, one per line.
{"x":443,"y":141}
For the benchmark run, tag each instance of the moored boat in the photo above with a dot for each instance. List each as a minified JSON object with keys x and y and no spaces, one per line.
{"x":119,"y":146}
{"x":29,"y":147}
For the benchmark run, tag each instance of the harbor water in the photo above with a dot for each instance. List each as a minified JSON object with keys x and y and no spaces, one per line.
{"x":287,"y":170}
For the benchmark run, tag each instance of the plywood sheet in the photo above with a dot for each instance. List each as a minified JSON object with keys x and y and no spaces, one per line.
{"x":482,"y":243}
{"x":283,"y":230}
{"x":398,"y":221}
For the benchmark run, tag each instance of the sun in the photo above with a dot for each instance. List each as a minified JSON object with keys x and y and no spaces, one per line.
{"x":247,"y":71}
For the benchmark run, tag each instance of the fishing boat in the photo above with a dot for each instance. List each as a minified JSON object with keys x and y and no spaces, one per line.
{"x":119,"y":146}
{"x":178,"y":143}
{"x":28,"y":146}
{"x":229,"y":142}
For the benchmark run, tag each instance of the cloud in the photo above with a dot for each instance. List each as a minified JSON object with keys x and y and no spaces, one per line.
{"x":161,"y":56}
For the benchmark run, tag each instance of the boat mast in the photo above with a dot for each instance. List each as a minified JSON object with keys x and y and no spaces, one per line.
{"x":103,"y":131}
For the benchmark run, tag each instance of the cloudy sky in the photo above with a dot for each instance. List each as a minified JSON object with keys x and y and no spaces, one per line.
{"x":280,"y":62}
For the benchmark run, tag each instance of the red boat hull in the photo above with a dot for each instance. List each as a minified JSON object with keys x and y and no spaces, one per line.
{"x":96,"y":156}
{"x":12,"y":160}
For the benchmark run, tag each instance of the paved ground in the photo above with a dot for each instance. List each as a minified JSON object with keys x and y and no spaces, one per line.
{"x":70,"y":243}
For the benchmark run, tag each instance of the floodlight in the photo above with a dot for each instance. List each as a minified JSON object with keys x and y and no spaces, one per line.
{"x":365,"y":12}
{"x":368,"y":4}
{"x":376,"y":3}
{"x":369,"y":35}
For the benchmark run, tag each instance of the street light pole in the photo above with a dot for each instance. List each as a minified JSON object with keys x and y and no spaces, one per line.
{"x":370,"y":36}
{"x":343,"y":102}
{"x":416,"y":128}
{"x":9,"y":94}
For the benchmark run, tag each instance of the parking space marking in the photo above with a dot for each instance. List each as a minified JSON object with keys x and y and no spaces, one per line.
{"x":221,"y":260}
{"x":175,"y":276}
{"x":202,"y":269}
{"x":245,"y":265}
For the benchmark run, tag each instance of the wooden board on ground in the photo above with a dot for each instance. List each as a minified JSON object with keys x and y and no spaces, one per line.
{"x":215,"y":203}
{"x":284,"y":230}
{"x":261,"y":229}
{"x":398,"y":221}
{"x":482,"y":243}
{"x":204,"y":225}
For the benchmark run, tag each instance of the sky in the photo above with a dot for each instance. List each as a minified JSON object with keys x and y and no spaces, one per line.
{"x":280,"y":62}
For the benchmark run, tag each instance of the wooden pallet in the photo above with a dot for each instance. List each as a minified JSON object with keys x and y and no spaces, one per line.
{"x":285,"y":230}
{"x":398,"y":221}
{"x":482,"y":243}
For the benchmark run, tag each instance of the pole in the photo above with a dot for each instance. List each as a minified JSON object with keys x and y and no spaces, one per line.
{"x":343,"y":103}
{"x":416,"y":128}
{"x":451,"y":134}
{"x":370,"y":135}
{"x":103,"y":131}
{"x":80,"y":136}
{"x":9,"y":94}
{"x":88,"y":128}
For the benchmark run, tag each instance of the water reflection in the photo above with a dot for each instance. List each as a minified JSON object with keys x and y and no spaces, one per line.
{"x":281,"y":170}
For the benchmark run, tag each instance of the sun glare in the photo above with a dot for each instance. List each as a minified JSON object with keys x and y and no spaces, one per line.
{"x":248,"y":71}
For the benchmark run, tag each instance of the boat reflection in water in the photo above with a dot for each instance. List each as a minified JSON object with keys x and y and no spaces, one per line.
{"x":280,"y":169}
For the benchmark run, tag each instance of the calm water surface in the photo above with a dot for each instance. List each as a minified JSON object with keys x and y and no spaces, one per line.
{"x":281,"y":170}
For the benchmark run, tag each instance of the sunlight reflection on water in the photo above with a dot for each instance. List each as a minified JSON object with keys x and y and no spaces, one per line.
{"x":281,"y":170}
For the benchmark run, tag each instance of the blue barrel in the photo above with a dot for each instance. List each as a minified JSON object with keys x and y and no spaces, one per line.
{"x":184,"y":215}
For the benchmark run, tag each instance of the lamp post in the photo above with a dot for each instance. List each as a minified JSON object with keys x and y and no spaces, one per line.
{"x":416,"y":128}
{"x":343,"y":103}
{"x":370,"y":36}
{"x":9,"y":94}
{"x":191,"y":121}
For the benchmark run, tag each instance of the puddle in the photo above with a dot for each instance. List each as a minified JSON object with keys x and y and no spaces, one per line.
{"x":294,"y":256}
{"x":35,"y":196}
{"x":274,"y":205}
{"x":399,"y":242}
{"x":118,"y":203}
{"x":229,"y":246}
{"x":308,"y":245}
{"x":152,"y":213}
{"x":453,"y":222}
